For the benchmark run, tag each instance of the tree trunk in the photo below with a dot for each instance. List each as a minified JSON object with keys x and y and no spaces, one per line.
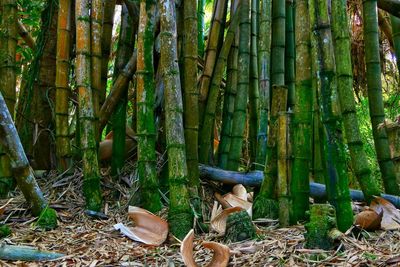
{"x":91,"y":173}
{"x":341,"y":35}
{"x":337,"y":183}
{"x":180,"y":214}
{"x":374,"y":85}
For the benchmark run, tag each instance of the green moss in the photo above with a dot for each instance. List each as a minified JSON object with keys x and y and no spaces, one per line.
{"x":5,"y":230}
{"x":47,"y":219}
{"x":6,"y":185}
{"x":180,"y":223}
{"x":264,"y":207}
{"x":92,"y":193}
{"x":239,"y":227}
{"x":321,"y":226}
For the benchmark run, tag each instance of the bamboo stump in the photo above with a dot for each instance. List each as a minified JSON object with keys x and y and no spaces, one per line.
{"x":239,"y":227}
{"x":322,"y":229}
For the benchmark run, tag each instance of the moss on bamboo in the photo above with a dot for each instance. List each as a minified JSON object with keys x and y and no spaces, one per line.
{"x":180,"y":213}
{"x":47,"y":219}
{"x":337,"y":183}
{"x":146,"y":130}
{"x":302,"y":118}
{"x":239,"y":227}
{"x":359,"y":161}
{"x":321,"y":230}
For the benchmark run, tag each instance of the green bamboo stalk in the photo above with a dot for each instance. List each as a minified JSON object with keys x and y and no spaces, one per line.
{"x":213,"y":42}
{"x":264,"y":67}
{"x":191,"y":98}
{"x":337,"y":183}
{"x":180,"y":215}
{"x":254,"y":93}
{"x":91,"y":173}
{"x":96,"y":24}
{"x":290,"y":53}
{"x":374,"y":85}
{"x":106,"y":35}
{"x":278,"y":43}
{"x":209,"y":114}
{"x":341,"y":35}
{"x":62,"y":87}
{"x":239,"y":115}
{"x":265,"y":205}
{"x":8,"y":46}
{"x":229,"y":97}
{"x":145,"y":90}
{"x":396,"y":38}
{"x":302,"y":119}
{"x":126,"y":44}
{"x":200,"y":26}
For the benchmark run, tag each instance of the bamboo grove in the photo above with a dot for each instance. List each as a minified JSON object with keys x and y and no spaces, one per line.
{"x":264,"y":85}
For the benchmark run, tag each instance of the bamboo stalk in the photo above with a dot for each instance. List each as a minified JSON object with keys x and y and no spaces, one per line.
{"x":254,"y":93}
{"x":91,"y":174}
{"x":229,"y":97}
{"x":337,"y":184}
{"x":209,"y":114}
{"x":359,"y":161}
{"x":290,"y":53}
{"x":145,"y":90}
{"x":374,"y":86}
{"x":62,"y":88}
{"x":264,"y":67}
{"x":180,"y":214}
{"x":239,"y":115}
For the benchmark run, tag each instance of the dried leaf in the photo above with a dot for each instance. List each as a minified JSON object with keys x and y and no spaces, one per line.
{"x":391,"y":215}
{"x":369,"y":220}
{"x":240,"y":191}
{"x":234,"y":201}
{"x":187,"y":250}
{"x":149,"y":228}
{"x":221,"y":254}
{"x":218,"y":223}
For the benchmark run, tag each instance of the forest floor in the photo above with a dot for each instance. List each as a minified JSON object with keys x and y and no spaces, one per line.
{"x":94,"y":242}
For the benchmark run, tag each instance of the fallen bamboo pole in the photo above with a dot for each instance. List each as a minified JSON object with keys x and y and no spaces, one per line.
{"x":254,"y":178}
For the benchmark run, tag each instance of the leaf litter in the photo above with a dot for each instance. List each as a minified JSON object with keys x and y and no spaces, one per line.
{"x":95,"y":242}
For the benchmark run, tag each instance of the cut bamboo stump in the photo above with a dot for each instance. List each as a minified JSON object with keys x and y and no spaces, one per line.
{"x":239,"y":227}
{"x":322,"y":230}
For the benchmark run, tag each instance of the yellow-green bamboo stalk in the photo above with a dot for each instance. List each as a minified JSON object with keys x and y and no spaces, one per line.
{"x":62,"y":87}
